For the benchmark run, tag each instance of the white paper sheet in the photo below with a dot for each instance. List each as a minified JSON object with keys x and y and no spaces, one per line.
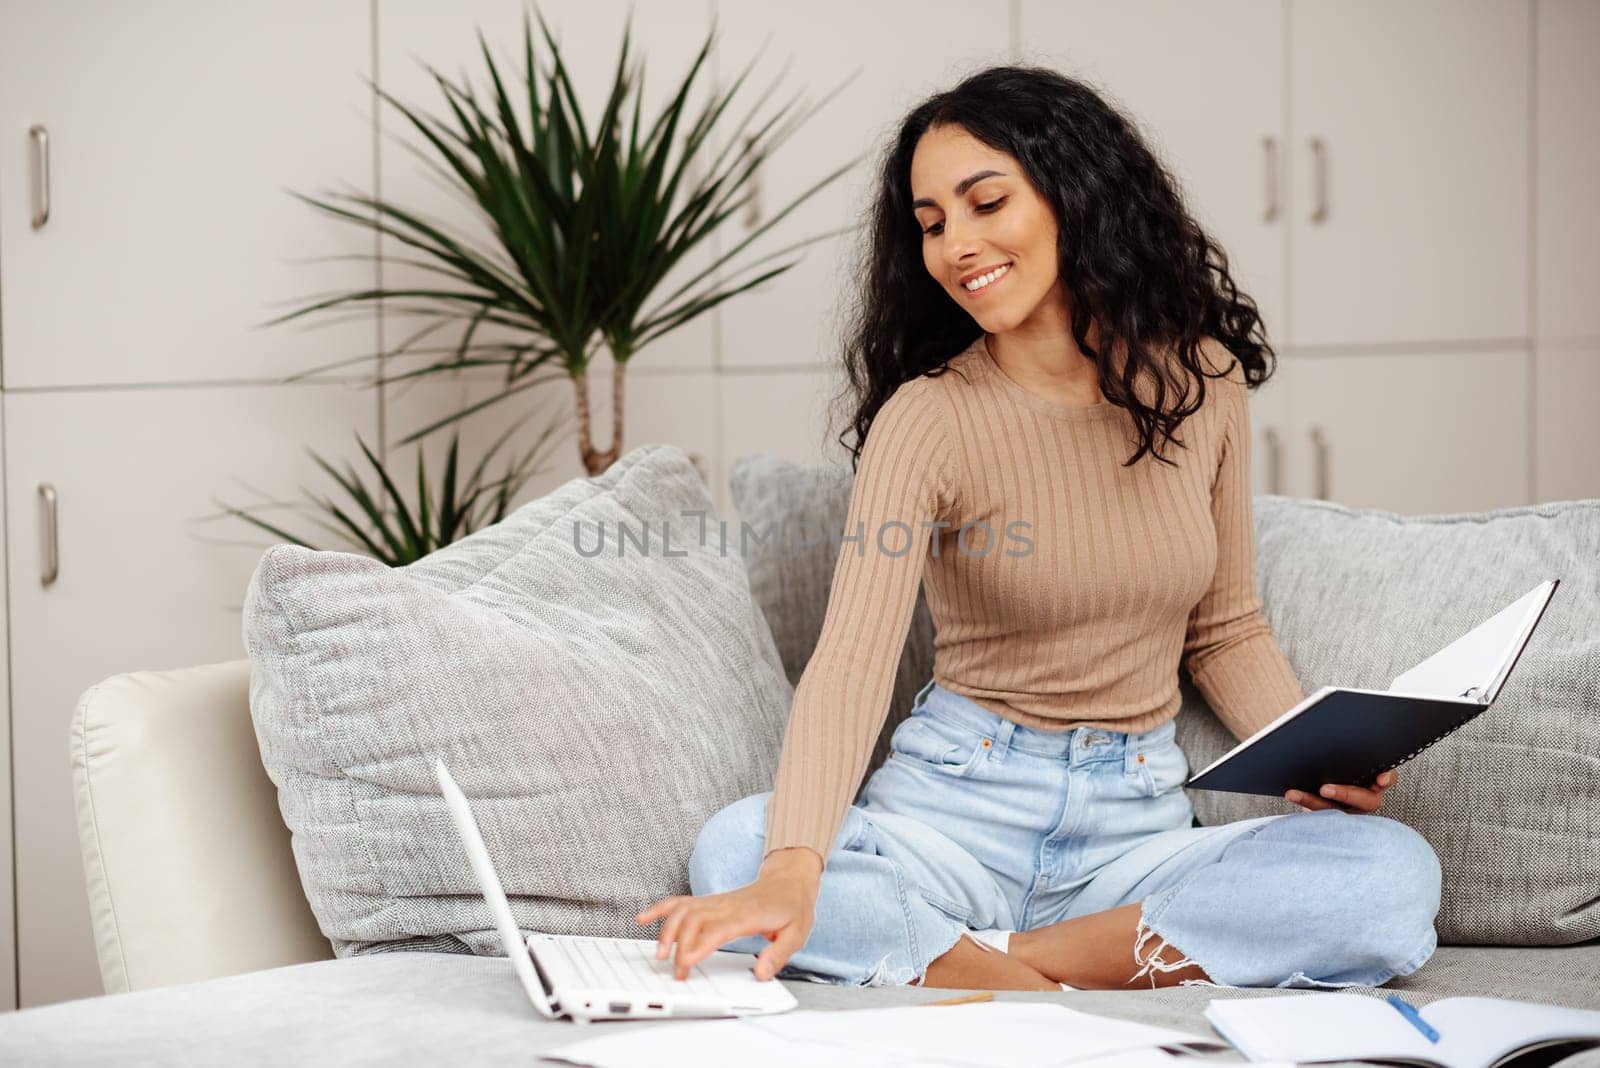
{"x":988,"y":1034}
{"x":1479,"y":658}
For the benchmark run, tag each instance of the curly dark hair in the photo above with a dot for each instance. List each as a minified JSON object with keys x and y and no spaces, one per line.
{"x":1131,"y":256}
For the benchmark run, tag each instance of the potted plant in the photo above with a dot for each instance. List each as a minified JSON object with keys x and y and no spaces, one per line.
{"x":586,"y":226}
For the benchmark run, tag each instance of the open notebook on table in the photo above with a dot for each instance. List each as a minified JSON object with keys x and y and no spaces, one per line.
{"x":1472,"y":1032}
{"x":1345,"y":735}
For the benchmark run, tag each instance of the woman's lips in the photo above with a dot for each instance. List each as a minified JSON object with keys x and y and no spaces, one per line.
{"x":974,"y":294}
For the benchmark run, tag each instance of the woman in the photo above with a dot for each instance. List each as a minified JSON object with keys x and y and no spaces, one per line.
{"x":1037,"y":302}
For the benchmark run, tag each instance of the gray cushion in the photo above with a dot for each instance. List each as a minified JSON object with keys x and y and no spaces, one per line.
{"x":400,"y":1009}
{"x":796,"y":514}
{"x":1509,"y":802}
{"x":597,"y":709}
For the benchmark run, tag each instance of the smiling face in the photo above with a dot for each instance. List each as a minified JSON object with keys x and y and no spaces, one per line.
{"x":978,"y":214}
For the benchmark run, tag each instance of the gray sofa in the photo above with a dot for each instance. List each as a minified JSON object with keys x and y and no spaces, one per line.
{"x":211,"y":951}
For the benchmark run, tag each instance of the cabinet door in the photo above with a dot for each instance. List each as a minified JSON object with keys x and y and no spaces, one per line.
{"x":1567,"y":274}
{"x":8,"y":925}
{"x":1567,"y":442}
{"x":146,"y":582}
{"x":1413,"y":434}
{"x":1271,"y":428}
{"x":174,"y":131}
{"x":1224,"y":142}
{"x":895,"y":53}
{"x":1421,"y":109}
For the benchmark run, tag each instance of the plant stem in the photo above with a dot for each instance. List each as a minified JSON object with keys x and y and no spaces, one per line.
{"x":595,"y":461}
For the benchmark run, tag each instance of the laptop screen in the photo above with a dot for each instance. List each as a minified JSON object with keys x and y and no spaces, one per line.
{"x":489,"y":883}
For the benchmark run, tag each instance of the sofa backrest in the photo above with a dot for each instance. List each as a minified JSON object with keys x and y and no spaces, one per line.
{"x":187,"y":859}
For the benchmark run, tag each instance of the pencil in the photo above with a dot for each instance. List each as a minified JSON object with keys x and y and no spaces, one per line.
{"x":962,"y":1001}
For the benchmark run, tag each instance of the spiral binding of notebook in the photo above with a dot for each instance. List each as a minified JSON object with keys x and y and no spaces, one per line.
{"x":1377,"y":769}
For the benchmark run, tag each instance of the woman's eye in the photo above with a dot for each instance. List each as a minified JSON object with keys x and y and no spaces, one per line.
{"x":938,"y":228}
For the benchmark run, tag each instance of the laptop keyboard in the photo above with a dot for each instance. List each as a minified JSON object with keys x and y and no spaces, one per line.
{"x":630,"y":965}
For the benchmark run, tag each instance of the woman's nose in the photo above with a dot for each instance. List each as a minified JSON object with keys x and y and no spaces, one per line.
{"x":962,"y":255}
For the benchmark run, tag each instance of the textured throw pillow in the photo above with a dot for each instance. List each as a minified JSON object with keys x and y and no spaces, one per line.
{"x":597,"y":707}
{"x":796,"y":515}
{"x":1511,"y":801}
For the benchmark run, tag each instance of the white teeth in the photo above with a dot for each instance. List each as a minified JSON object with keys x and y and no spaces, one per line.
{"x":983,"y":280}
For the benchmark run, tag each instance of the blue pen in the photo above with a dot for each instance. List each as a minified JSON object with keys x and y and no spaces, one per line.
{"x":1415,"y":1017}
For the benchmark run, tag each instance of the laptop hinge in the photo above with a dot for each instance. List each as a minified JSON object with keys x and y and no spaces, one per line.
{"x":550,"y":998}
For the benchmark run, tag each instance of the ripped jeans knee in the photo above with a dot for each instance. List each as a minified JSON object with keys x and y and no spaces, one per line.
{"x":1152,"y":962}
{"x":883,"y":975}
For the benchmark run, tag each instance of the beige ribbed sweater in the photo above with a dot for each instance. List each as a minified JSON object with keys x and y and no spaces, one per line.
{"x":1075,"y":611}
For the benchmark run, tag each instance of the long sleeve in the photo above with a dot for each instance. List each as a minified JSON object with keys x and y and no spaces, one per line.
{"x":1229,"y":648}
{"x":905,"y":478}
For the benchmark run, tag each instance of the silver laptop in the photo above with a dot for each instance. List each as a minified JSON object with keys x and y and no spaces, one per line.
{"x":588,"y":978}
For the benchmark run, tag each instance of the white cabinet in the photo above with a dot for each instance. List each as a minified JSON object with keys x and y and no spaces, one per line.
{"x":1567,"y":240}
{"x":168,"y":136}
{"x":1271,"y":422}
{"x":893,"y":53}
{"x":1224,"y":144}
{"x":1567,"y":167}
{"x":1409,"y":433}
{"x":1409,"y":165}
{"x":1567,"y":445}
{"x":145,"y":583}
{"x":1365,"y":167}
{"x":174,"y":130}
{"x":8,"y":925}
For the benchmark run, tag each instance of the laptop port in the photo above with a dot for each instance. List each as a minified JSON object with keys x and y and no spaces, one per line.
{"x":656,"y":1005}
{"x":620,"y":1006}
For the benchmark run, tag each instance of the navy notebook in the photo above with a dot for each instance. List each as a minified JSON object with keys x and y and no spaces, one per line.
{"x":1344,"y":735}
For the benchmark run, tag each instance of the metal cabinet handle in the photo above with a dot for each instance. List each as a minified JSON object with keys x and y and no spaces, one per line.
{"x":41,"y":175}
{"x":1274,"y":460}
{"x":1321,"y":450}
{"x":52,"y":547}
{"x":1269,"y":146}
{"x":1319,"y":171}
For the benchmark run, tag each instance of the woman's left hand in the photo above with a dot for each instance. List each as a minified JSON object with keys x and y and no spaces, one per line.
{"x":1349,"y":798}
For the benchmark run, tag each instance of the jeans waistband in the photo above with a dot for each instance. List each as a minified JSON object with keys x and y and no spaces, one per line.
{"x":1075,"y":744}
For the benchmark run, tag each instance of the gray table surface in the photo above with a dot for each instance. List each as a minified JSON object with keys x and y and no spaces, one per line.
{"x":424,"y":1008}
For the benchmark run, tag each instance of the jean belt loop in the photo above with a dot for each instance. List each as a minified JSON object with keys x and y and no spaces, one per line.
{"x":922,"y":694}
{"x":1002,"y":736}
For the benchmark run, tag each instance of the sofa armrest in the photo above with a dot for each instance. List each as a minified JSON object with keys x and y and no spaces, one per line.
{"x":187,"y":859}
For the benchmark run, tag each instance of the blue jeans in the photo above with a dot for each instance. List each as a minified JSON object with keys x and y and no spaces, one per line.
{"x":977,"y":822}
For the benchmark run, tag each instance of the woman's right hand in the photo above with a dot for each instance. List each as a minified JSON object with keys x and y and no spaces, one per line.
{"x":780,"y":906}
